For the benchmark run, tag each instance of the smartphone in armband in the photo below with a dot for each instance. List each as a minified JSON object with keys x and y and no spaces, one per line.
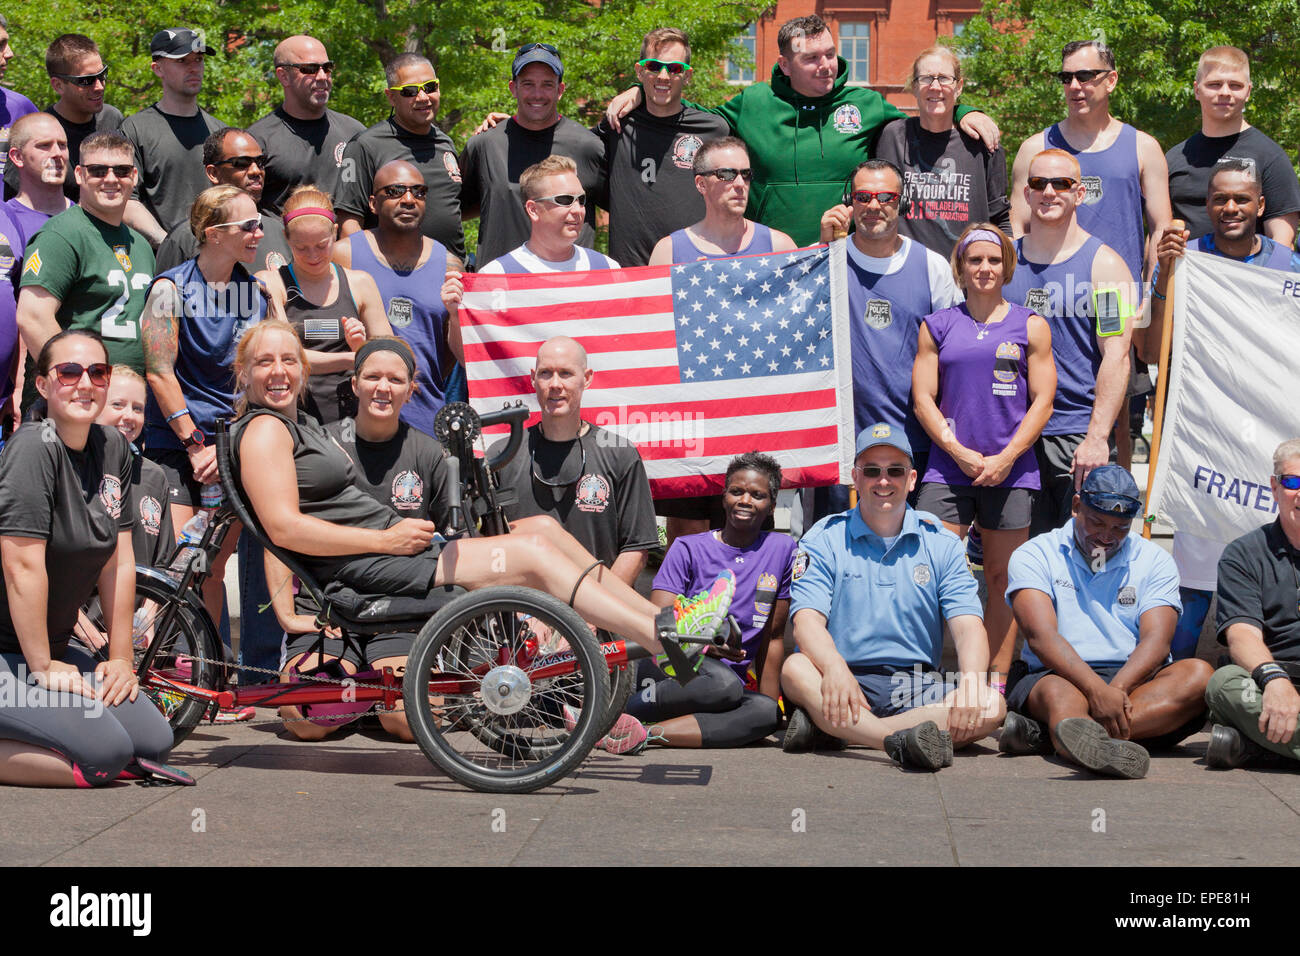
{"x":1111,"y":312}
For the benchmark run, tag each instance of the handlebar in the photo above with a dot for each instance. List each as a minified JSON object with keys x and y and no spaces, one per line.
{"x":515,"y":416}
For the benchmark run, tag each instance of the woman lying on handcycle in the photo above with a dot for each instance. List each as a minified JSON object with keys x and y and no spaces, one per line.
{"x":306,"y":493}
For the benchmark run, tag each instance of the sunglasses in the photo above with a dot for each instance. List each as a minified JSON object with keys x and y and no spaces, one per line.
{"x":875,"y":471}
{"x":242,"y":162}
{"x":530,"y":47}
{"x":674,"y":67}
{"x":727,"y":174}
{"x":1059,"y":183}
{"x":564,"y":199}
{"x":69,"y":373}
{"x":415,"y":89}
{"x":864,"y":196}
{"x":398,"y":190}
{"x":1289,"y":482}
{"x":85,"y":79}
{"x":309,"y":69}
{"x":243,"y":225}
{"x":1083,"y":76}
{"x":101,"y":170}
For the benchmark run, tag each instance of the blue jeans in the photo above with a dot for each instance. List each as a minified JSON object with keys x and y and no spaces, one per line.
{"x":1196,"y":605}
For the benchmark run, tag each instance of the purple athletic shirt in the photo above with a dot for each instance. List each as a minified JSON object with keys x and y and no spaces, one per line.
{"x":27,"y":220}
{"x":983,"y":389}
{"x":762,"y":572}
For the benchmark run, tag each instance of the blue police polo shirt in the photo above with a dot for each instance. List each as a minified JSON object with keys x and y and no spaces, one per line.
{"x":884,"y":604}
{"x":1097,"y":612}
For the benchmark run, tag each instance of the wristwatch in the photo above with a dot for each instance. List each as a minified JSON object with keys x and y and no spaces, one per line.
{"x":195,"y":439}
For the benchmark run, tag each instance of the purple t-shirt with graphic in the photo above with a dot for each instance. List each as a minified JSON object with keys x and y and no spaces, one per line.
{"x":762,"y":578}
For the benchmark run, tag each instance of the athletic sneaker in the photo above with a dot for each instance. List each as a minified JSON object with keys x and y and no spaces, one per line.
{"x":802,"y":735}
{"x":235,"y":715}
{"x":704,"y":615}
{"x":1086,"y":742}
{"x":1023,"y":735}
{"x":923,"y":747}
{"x":627,"y":736}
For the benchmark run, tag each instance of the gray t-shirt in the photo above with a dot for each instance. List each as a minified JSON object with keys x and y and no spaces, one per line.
{"x":180,"y":245}
{"x":407,"y":473}
{"x":492,"y":163}
{"x":169,"y":154}
{"x":433,"y":154}
{"x":301,"y":151}
{"x":152,"y":537}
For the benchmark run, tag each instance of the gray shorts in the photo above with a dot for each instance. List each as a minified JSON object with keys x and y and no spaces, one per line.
{"x":1056,"y":474}
{"x":993,"y":509}
{"x":891,"y":690}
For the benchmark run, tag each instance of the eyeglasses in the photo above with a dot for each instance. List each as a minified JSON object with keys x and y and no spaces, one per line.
{"x":101,"y":170}
{"x":242,"y":162}
{"x":875,"y":471}
{"x":1083,"y":76}
{"x":674,"y":67}
{"x":85,"y":79}
{"x":309,"y":69}
{"x":564,"y":199}
{"x":530,"y":47}
{"x":1059,"y":183}
{"x":728,"y":174}
{"x":929,"y":79}
{"x":864,"y":196}
{"x":69,"y":373}
{"x":398,"y":190}
{"x":1289,"y":482}
{"x":415,"y":89}
{"x":243,"y":225}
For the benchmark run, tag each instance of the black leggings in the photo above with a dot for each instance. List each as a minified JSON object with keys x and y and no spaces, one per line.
{"x":99,"y":741}
{"x":728,"y":715}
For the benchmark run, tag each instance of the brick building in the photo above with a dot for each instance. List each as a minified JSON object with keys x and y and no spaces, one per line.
{"x":878,"y":38}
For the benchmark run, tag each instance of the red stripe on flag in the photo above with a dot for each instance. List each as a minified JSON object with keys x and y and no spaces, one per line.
{"x":516,"y":313}
{"x":716,"y":446}
{"x":594,"y":344}
{"x":528,"y":281}
{"x":485,"y":388}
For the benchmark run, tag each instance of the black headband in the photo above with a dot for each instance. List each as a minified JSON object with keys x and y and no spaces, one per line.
{"x":396,"y":346}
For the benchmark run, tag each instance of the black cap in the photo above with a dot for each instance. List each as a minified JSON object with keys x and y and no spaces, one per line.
{"x":174,"y":44}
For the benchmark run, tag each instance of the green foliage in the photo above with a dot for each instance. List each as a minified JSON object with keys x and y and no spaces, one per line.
{"x":470,"y":42}
{"x":1012,"y":48}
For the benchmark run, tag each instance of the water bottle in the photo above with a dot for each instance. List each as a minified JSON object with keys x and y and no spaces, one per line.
{"x":211,"y":496}
{"x":191,"y":535}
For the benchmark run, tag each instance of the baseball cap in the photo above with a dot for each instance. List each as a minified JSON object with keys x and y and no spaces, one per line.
{"x":883,"y":433}
{"x":537,"y":53}
{"x":176,"y":43}
{"x":1111,"y":490}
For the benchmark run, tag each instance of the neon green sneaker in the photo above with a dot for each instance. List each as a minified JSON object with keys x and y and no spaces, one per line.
{"x":704,"y":615}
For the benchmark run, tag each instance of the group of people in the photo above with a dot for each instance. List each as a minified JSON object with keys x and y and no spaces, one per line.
{"x":304,"y":277}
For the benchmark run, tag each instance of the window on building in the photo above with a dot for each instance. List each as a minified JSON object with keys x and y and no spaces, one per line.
{"x":855,"y":47}
{"x":741,"y":69}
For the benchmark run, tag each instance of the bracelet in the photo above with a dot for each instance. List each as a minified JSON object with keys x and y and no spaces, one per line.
{"x":1156,"y":295}
{"x":185,"y":411}
{"x":1268,"y":671}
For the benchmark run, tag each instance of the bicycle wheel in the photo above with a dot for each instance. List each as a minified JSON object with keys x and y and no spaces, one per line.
{"x":474,"y":702}
{"x":622,"y":681}
{"x":188,"y":650}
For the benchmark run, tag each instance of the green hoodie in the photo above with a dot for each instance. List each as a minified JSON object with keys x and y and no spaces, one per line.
{"x":803,"y":148}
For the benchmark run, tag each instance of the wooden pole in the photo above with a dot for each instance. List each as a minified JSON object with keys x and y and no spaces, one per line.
{"x":1162,"y":383}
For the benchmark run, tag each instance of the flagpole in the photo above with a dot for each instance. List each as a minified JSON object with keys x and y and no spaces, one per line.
{"x":1162,"y":381}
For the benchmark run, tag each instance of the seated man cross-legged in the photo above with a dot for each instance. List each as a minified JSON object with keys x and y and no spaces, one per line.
{"x":1098,"y":610}
{"x":872,"y":589}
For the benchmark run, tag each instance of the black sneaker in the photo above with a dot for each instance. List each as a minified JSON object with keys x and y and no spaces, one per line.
{"x":1229,"y":748}
{"x":802,"y":735}
{"x":923,"y":747}
{"x":1023,"y":735}
{"x":1086,"y":742}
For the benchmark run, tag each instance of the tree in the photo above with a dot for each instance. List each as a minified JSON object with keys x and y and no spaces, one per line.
{"x":1012,"y":48}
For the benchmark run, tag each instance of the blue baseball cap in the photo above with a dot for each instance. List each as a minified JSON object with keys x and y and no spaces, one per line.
{"x":537,"y":53}
{"x":1111,"y":490}
{"x":883,"y":433}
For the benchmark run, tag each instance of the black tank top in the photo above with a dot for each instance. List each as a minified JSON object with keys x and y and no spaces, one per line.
{"x":328,"y":396}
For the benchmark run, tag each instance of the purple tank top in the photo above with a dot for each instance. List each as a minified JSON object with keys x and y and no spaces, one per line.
{"x":983,"y":389}
{"x":686,"y":251}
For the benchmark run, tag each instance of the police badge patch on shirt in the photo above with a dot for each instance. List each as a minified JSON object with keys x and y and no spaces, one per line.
{"x":878,"y":314}
{"x":799,"y":566}
{"x":921,"y":574}
{"x":1093,"y":194}
{"x":1127,"y":596}
{"x":400,"y":311}
{"x":1038,"y":300}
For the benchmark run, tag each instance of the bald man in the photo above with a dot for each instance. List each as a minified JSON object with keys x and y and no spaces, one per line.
{"x":590,"y":480}
{"x":303,"y":138}
{"x":409,"y":269}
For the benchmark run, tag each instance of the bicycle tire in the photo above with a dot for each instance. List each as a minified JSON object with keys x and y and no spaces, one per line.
{"x":528,"y":747}
{"x":622,"y":682}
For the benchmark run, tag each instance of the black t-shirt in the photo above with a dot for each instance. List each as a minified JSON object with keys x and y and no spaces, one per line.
{"x":651,"y":186}
{"x":301,"y":151}
{"x":180,"y":245}
{"x":407,"y":473}
{"x":1192,"y":161}
{"x":169,"y":154}
{"x":951,"y":180}
{"x":492,"y":163}
{"x":605,"y":503}
{"x":433,"y":154}
{"x":152,"y":536}
{"x":107,"y":119}
{"x":74,"y":500}
{"x":1259,"y":584}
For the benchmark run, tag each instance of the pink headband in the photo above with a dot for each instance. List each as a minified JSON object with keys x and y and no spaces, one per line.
{"x":979,"y":235}
{"x":308,"y":211}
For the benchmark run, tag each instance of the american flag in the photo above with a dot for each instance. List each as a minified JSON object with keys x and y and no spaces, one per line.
{"x":694,"y":363}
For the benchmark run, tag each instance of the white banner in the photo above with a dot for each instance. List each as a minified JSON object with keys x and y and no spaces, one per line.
{"x":1234,"y":395}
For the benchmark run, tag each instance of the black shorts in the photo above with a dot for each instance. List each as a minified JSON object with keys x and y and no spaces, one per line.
{"x":375,"y":647}
{"x":388,"y":575}
{"x":993,"y":509}
{"x":175,"y":463}
{"x":1018,"y":692}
